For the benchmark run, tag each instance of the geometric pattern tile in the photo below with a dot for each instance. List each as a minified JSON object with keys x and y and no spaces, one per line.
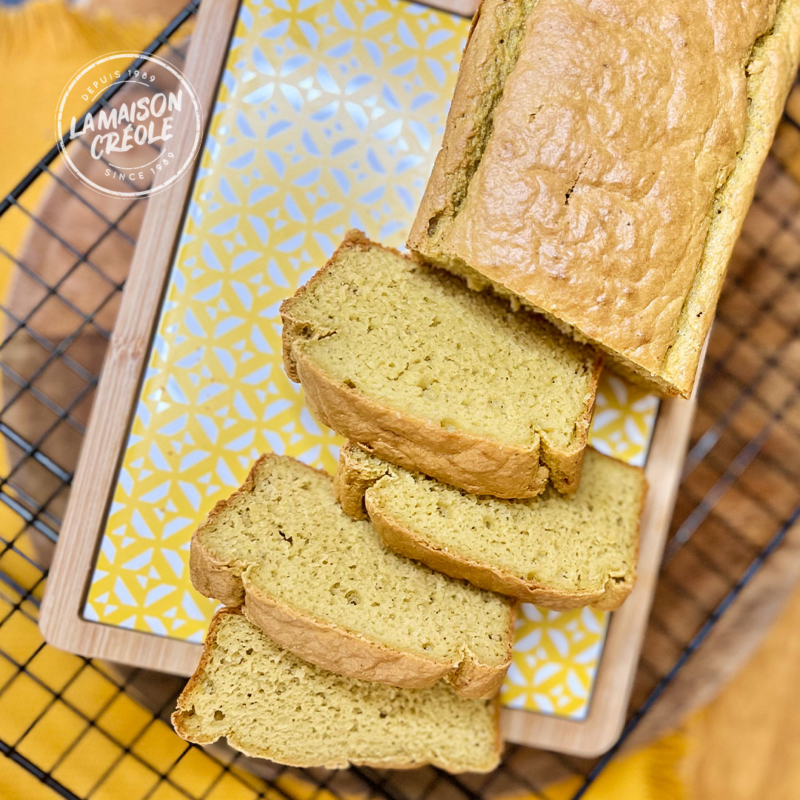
{"x":328,"y":117}
{"x":624,"y":418}
{"x":556,"y":654}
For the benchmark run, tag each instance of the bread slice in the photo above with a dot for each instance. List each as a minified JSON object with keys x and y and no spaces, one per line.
{"x":558,"y":551}
{"x":325,"y":587}
{"x":270,"y":704}
{"x":406,"y":361}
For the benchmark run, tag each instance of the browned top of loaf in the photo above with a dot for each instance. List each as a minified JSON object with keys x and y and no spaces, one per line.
{"x":594,"y":193}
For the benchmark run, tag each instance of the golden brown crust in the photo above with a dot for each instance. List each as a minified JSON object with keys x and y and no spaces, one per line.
{"x":772,"y":73}
{"x":185,"y":710}
{"x":210,"y":576}
{"x":351,"y":481}
{"x":654,"y":323}
{"x":473,"y":463}
{"x":353,"y":655}
{"x":406,"y":542}
{"x":355,"y":492}
{"x":324,"y":644}
{"x":460,"y":128}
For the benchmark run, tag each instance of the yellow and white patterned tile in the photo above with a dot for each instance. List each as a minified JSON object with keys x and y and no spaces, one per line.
{"x":624,"y":416}
{"x":555,"y":660}
{"x":329,"y":116}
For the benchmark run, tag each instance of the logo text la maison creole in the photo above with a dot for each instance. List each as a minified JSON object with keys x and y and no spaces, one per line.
{"x":148,"y":120}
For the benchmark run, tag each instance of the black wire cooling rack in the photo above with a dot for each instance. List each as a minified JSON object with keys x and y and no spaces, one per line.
{"x":84,"y":729}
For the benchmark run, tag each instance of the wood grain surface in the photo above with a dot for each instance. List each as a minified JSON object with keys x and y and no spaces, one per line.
{"x":606,"y":717}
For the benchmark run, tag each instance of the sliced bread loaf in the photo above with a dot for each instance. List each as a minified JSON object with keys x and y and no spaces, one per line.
{"x":324,"y":586}
{"x":558,"y":551}
{"x":405,"y":360}
{"x":270,"y":704}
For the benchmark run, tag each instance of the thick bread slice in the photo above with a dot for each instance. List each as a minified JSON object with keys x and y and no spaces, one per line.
{"x":405,"y":360}
{"x":325,"y":587}
{"x":558,"y":551}
{"x":270,"y":704}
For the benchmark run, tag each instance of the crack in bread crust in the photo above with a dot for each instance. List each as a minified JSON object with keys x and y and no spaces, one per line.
{"x":653,"y":324}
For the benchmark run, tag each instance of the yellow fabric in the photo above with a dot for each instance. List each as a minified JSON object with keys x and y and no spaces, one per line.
{"x":651,"y":773}
{"x":41,"y":46}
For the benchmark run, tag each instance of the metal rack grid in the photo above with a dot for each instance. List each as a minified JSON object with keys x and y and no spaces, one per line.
{"x":85,"y":729}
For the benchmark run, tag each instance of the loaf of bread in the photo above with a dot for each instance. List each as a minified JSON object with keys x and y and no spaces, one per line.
{"x":412,"y":365}
{"x":558,"y":551}
{"x":325,"y":587}
{"x":599,"y":159}
{"x":270,"y":704}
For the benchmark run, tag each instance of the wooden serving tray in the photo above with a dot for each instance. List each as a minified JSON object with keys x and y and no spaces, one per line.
{"x":366,"y":91}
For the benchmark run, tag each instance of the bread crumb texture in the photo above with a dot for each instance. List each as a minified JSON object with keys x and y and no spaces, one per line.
{"x":269,"y":703}
{"x":287,"y":538}
{"x":573,"y":549}
{"x":416,"y":339}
